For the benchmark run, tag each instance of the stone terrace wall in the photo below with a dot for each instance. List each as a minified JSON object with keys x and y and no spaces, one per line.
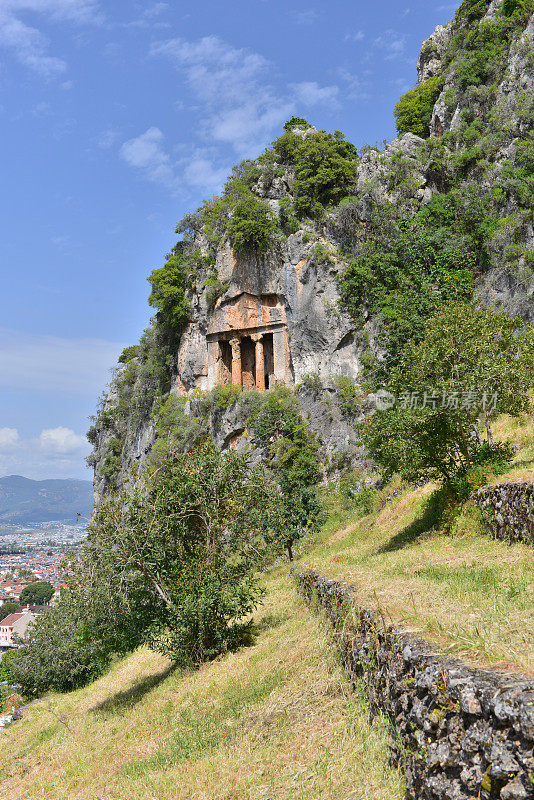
{"x":459,"y":732}
{"x":508,"y":511}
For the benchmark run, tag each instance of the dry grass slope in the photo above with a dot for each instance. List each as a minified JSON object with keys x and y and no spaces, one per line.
{"x":274,"y":720}
{"x":278,"y":720}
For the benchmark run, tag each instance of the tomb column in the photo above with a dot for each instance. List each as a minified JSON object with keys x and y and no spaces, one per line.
{"x":236,"y":362}
{"x":260,"y":365}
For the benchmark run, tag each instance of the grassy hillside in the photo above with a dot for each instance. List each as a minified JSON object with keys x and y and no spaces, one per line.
{"x":274,"y":720}
{"x":278,"y":719}
{"x":456,"y":586}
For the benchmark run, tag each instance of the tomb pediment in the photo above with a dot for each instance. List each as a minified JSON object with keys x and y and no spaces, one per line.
{"x":246,"y":312}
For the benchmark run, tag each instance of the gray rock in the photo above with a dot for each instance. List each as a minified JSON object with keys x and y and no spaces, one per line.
{"x":515,"y":790}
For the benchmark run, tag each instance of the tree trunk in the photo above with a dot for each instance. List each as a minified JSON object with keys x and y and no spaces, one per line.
{"x":489,"y":433}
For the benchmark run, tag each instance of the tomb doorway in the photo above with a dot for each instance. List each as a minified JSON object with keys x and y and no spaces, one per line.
{"x":225,"y":363}
{"x":268,"y":359}
{"x":248,"y":363}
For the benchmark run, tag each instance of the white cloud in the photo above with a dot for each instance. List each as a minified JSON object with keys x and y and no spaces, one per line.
{"x":60,"y":441}
{"x":392,"y":44}
{"x":309,"y":93}
{"x":355,"y":87}
{"x":107,"y":139}
{"x":201,"y":171}
{"x":27,"y":43}
{"x":306,"y":17}
{"x":146,"y":152}
{"x":9,"y":438}
{"x":231,"y":92}
{"x":155,"y":10}
{"x":355,"y":36}
{"x":50,"y":363}
{"x":55,"y":453}
{"x":238,"y":105}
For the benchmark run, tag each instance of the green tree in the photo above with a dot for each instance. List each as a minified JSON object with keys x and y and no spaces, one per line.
{"x":169,"y":286}
{"x":293,"y":450}
{"x":481,"y":359}
{"x":7,"y":608}
{"x":132,"y":351}
{"x":408,"y":266}
{"x":193,"y":536}
{"x":324,"y":166}
{"x":252,"y":226}
{"x":296,"y":122}
{"x":98,"y":616}
{"x":37,"y":593}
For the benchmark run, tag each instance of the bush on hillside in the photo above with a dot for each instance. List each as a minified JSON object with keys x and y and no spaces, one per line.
{"x":252,"y":226}
{"x":324,"y":166}
{"x":293,"y":449}
{"x":408,"y":266}
{"x":471,"y":364}
{"x":169,"y":286}
{"x":414,"y":109}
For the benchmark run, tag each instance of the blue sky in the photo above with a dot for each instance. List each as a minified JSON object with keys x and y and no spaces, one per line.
{"x":118,"y":117}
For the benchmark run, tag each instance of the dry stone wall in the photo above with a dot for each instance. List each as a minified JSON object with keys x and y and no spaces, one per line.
{"x":508,"y":511}
{"x":459,"y":732}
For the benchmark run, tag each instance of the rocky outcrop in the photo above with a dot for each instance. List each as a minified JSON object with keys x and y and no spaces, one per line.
{"x":508,"y":511}
{"x":458,"y":732}
{"x":295,"y":288}
{"x":279,"y":314}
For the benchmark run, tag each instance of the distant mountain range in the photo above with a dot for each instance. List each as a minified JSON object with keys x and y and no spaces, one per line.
{"x":23,"y":500}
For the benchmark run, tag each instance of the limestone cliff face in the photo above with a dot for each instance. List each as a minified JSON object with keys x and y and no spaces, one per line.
{"x":290,"y":294}
{"x":278,"y":317}
{"x":506,"y":109}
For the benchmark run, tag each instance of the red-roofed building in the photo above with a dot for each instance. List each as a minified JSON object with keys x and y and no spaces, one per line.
{"x":14,"y":627}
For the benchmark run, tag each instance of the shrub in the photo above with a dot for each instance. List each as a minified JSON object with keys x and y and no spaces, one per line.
{"x":294,"y":461}
{"x":483,"y":55}
{"x":322,"y":253}
{"x":169,"y":287}
{"x":472,"y":10}
{"x":215,"y":289}
{"x":408,"y":266}
{"x":252,"y":226}
{"x":221,"y":397}
{"x":296,"y":122}
{"x":324,"y":166}
{"x":349,"y":395}
{"x":128,"y":353}
{"x":74,"y":642}
{"x":414,"y":109}
{"x":288,"y":220}
{"x":358,"y":495}
{"x":483,"y":360}
{"x":176,"y":432}
{"x":312,"y":381}
{"x":518,"y":9}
